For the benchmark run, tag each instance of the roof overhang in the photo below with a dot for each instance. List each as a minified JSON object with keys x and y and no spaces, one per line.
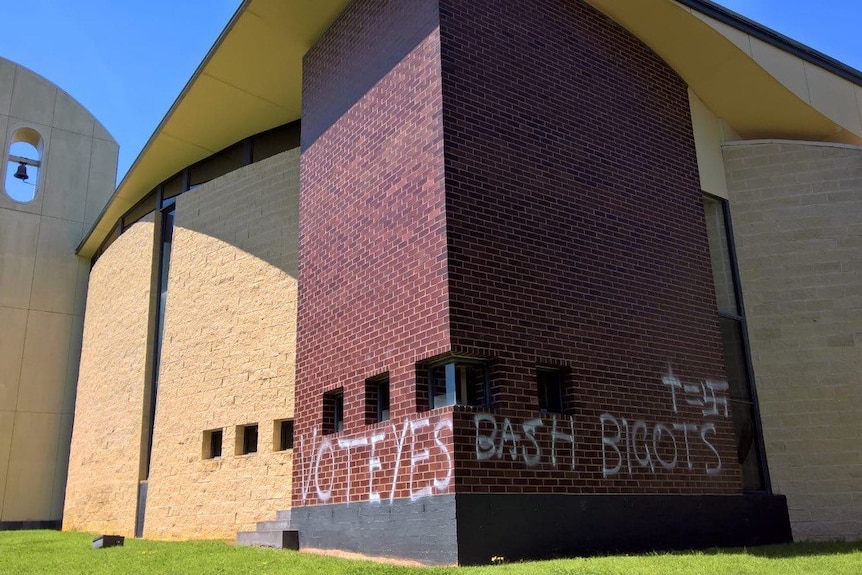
{"x":251,"y":81}
{"x":761,"y":84}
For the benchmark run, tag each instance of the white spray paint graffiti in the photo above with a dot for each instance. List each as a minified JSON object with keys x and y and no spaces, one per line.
{"x":323,"y":454}
{"x":639,"y":444}
{"x":495,"y":441}
{"x":627,"y":447}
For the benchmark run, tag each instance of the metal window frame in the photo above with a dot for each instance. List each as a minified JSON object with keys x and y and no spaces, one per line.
{"x":760,"y":444}
{"x":454,"y":361}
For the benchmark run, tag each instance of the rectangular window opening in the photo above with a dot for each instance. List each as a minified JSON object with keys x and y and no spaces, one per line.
{"x":212,"y":443}
{"x":333,"y":411}
{"x":731,"y":316}
{"x":549,"y":386}
{"x":283,"y":435}
{"x":377,"y":399}
{"x":246,"y":439}
{"x":458,"y":382}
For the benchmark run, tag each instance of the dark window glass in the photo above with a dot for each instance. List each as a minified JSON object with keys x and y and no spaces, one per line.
{"x":212,"y":443}
{"x":741,"y":405}
{"x":460,"y":382}
{"x":377,"y":399}
{"x":285,"y":434}
{"x":732,"y":322}
{"x":734,"y":356}
{"x":173,"y":187}
{"x":549,"y":386}
{"x":722,"y":268}
{"x":164,"y":272}
{"x":216,"y":165}
{"x":142,"y":209}
{"x":275,"y":141}
{"x":167,"y":238}
{"x":249,"y":439}
{"x":339,"y":412}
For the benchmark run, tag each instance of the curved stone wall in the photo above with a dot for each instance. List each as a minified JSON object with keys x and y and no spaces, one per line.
{"x":796,"y":208}
{"x":104,"y":465}
{"x":228,"y":354}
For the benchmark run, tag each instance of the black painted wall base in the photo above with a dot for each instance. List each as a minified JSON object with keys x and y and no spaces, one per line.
{"x":470,"y":529}
{"x":543,"y":526}
{"x":19,"y":525}
{"x":422,"y":530}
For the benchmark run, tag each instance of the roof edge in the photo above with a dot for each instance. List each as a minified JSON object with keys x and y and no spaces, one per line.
{"x":780,"y":41}
{"x":198,"y":71}
{"x":785,"y":142}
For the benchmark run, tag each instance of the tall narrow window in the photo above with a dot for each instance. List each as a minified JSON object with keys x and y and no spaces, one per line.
{"x":23,"y":164}
{"x":212,"y":443}
{"x":377,"y":399}
{"x":165,"y":267}
{"x":383,"y":400}
{"x":246,"y":439}
{"x":458,"y":381}
{"x":284,"y":434}
{"x":549,"y":386}
{"x":166,"y":245}
{"x":731,"y":317}
{"x":333,"y":411}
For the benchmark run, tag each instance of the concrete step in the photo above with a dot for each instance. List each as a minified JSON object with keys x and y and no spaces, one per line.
{"x":286,"y":539}
{"x":283,"y":515}
{"x":277,"y":525}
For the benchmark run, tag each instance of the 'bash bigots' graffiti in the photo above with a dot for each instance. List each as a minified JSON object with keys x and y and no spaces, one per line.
{"x":393,"y":460}
{"x":627,"y":445}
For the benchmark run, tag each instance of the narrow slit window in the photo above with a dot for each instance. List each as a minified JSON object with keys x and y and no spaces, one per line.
{"x":383,"y":400}
{"x":731,"y":318}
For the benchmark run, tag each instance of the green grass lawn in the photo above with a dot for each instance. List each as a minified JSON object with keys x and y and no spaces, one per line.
{"x":50,"y":552}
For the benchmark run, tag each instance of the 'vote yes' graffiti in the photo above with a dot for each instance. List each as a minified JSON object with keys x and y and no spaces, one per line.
{"x":413,"y":446}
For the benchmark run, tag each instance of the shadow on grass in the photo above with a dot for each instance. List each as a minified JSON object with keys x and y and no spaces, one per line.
{"x":805,"y":549}
{"x":784,"y":551}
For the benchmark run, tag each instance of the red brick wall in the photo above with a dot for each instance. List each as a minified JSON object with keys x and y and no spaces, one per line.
{"x":576,"y":238}
{"x":373,"y":285}
{"x":568,"y":232}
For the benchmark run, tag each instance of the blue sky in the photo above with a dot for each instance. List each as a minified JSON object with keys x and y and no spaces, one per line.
{"x":127,"y":60}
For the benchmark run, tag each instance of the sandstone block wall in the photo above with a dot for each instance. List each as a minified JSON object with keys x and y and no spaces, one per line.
{"x":228,"y":353}
{"x":797,"y":222}
{"x":104,"y":464}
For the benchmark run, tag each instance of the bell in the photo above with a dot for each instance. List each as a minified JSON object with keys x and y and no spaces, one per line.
{"x":21,"y":173}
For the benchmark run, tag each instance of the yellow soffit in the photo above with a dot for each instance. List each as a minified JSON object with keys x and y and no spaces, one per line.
{"x":716,"y":61}
{"x":250,"y":81}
